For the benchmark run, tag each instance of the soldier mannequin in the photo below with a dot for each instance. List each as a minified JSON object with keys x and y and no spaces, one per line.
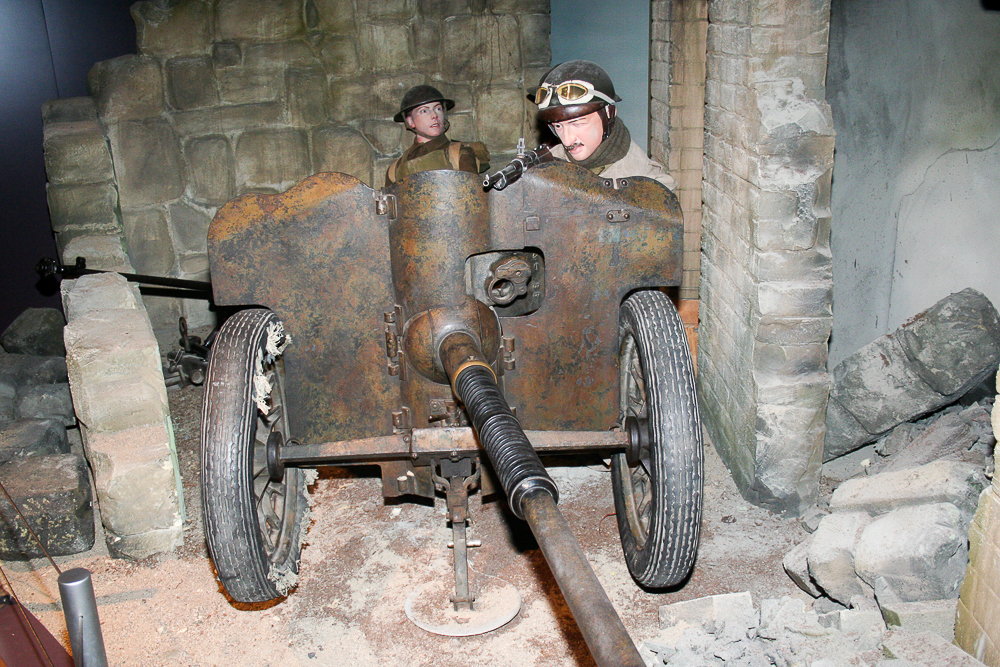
{"x":424,"y":110}
{"x":577,"y":100}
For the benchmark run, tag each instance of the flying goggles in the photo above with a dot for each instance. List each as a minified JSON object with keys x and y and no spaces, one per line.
{"x":568,"y":92}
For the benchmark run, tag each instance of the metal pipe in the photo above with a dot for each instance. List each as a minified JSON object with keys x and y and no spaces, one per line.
{"x":532,"y":496}
{"x":49,"y":267}
{"x":84,"y":627}
{"x":596,"y":617}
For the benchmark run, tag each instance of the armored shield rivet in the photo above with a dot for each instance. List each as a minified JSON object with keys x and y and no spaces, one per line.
{"x":618,"y":215}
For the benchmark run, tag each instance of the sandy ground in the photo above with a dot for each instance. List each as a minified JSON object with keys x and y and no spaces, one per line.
{"x":363,"y":558}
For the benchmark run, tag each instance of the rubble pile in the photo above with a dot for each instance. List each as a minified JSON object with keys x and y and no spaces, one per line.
{"x":888,"y":551}
{"x":729,"y":630}
{"x":42,"y":465}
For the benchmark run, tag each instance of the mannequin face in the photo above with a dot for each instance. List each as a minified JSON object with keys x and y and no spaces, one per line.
{"x":580,"y":136}
{"x":427,"y":121}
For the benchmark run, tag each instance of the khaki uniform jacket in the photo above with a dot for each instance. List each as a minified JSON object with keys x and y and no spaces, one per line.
{"x":635,"y":163}
{"x":438,"y":153}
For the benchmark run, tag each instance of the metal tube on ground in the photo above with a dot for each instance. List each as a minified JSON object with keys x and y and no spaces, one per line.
{"x":602,"y":628}
{"x":82,"y":623}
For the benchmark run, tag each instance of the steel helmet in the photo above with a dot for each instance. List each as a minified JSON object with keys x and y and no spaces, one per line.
{"x":572,"y":89}
{"x":418,"y":96}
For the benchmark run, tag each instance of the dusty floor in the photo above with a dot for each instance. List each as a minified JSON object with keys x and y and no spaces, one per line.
{"x":364,"y":557}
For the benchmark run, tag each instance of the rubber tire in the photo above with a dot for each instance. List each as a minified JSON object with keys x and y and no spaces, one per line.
{"x":251,"y":566}
{"x":661,"y":551}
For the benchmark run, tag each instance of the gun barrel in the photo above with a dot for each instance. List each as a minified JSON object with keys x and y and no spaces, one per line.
{"x":602,"y":628}
{"x":532,"y":495}
{"x":505,"y":176}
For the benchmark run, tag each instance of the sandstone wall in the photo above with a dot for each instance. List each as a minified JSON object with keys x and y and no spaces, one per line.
{"x":227,"y":97}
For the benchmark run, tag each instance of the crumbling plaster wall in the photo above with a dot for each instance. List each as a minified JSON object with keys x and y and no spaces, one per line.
{"x":227,"y":97}
{"x":766,"y":283}
{"x":913,"y":85}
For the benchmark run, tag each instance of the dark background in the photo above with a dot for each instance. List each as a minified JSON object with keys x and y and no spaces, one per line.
{"x":46,"y":49}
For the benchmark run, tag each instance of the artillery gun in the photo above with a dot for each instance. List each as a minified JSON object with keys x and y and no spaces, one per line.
{"x":450,"y":333}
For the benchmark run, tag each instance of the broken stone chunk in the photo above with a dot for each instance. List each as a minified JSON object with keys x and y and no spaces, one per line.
{"x":731,"y":615}
{"x":796,"y":564}
{"x":789,"y":615}
{"x":25,"y":369}
{"x":928,"y":362}
{"x":831,"y":556}
{"x":36,"y":331}
{"x":32,"y":437}
{"x":920,"y":552}
{"x":46,"y":401}
{"x":939,"y":482}
{"x":53,"y":493}
{"x":926,"y":648}
{"x":937,"y":616}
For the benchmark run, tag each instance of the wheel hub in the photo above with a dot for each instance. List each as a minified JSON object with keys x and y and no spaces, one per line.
{"x":275,"y":468}
{"x":637,"y":450}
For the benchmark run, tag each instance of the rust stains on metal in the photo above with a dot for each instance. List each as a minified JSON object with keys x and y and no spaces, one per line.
{"x":331,"y":266}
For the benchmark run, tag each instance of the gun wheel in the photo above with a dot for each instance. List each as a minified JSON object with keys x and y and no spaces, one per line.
{"x":253,"y":524}
{"x":657,"y":483}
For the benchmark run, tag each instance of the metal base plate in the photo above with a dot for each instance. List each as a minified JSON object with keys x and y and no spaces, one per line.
{"x":429,"y":607}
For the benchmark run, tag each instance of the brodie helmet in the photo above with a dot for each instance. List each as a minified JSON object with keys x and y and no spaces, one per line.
{"x":418,"y":96}
{"x":572,"y":89}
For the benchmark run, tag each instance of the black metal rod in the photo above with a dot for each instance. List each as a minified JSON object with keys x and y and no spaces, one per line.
{"x":195,"y":285}
{"x":82,"y":623}
{"x":602,"y":629}
{"x":49,"y":267}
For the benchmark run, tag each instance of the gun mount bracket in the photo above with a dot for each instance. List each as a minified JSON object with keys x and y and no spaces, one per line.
{"x":469,"y":613}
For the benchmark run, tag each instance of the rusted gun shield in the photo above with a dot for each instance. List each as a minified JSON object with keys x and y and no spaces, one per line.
{"x":323,"y":258}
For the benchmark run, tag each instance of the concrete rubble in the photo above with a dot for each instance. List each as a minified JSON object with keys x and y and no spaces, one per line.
{"x":893,"y":539}
{"x":41,"y":460}
{"x":729,"y":630}
{"x":911,"y":443}
{"x":897,"y":531}
{"x":929,"y":362}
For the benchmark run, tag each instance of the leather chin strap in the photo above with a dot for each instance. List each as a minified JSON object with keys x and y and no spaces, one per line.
{"x":608,"y":115}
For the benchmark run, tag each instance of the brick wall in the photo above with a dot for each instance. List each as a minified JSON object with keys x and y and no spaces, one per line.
{"x":676,"y":114}
{"x":766,"y":271}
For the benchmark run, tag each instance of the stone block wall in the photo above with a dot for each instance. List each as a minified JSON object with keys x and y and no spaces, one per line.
{"x":678,"y":32}
{"x":766,"y":267}
{"x":227,"y":97}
